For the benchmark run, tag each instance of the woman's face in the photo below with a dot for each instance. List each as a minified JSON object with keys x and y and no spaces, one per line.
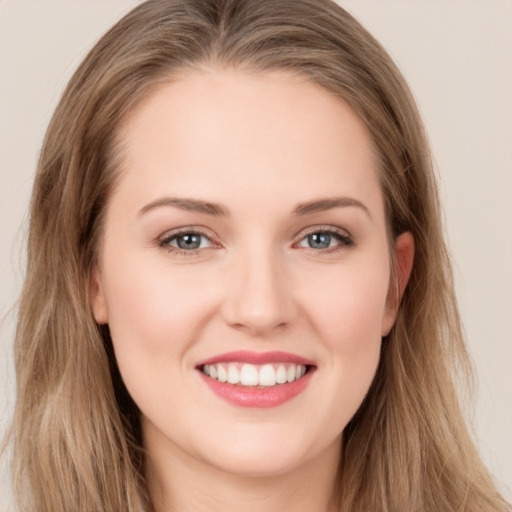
{"x":246,"y":239}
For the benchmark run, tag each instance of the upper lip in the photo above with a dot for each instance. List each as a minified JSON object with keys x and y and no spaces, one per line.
{"x":246,"y":356}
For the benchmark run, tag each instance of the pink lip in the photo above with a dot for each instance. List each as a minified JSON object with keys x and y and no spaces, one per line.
{"x":254,"y":396}
{"x":245,"y":356}
{"x":258,"y":397}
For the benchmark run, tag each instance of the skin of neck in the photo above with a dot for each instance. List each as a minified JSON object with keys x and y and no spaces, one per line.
{"x":178,"y":482}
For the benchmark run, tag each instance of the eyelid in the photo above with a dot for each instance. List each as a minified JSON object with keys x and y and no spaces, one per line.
{"x":324,"y":228}
{"x":163,"y":240}
{"x":345,"y":238}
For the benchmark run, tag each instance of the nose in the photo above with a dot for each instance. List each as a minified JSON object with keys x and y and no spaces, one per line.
{"x":259,"y":296}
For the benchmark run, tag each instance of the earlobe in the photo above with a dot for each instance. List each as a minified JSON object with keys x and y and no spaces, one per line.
{"x":99,"y":303}
{"x":404,"y":251}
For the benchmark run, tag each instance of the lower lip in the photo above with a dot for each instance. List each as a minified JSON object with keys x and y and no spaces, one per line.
{"x":258,"y":397}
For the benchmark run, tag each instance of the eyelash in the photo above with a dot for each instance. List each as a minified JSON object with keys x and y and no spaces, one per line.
{"x":341,"y":236}
{"x":344,"y":239}
{"x":165,"y":242}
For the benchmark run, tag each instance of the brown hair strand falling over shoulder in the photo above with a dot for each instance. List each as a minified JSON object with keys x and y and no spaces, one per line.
{"x":407,"y":448}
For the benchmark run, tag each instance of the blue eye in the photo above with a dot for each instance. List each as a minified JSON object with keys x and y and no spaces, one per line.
{"x":319,"y":240}
{"x":190,"y":241}
{"x":326,"y":239}
{"x":185,"y":241}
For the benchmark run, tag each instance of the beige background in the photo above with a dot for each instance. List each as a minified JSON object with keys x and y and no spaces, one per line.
{"x":457,"y":56}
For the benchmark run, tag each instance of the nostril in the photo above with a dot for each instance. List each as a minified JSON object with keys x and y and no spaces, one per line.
{"x":259,"y":306}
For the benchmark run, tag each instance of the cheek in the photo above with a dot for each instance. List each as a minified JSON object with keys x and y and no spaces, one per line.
{"x":347,"y":317}
{"x":154,"y":314}
{"x":354,"y":334}
{"x":347,"y":306}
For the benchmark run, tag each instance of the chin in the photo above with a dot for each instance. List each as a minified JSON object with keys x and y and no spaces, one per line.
{"x":257,"y":464}
{"x":263,"y":454}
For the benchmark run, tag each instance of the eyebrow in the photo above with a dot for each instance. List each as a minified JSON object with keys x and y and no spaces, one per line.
{"x":321,"y":205}
{"x":191,"y":205}
{"x":200,"y":206}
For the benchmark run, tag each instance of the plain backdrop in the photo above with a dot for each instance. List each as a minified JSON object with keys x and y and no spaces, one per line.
{"x":457,"y":57}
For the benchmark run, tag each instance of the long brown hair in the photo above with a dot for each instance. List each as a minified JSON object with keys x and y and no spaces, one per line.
{"x":407,"y":448}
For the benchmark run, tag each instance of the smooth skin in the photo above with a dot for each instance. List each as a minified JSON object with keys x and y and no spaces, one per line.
{"x":260,"y":274}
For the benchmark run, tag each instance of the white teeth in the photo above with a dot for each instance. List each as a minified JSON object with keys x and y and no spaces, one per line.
{"x":249,"y":375}
{"x":222,"y":376}
{"x":233,"y":374}
{"x":245,"y":374}
{"x":267,"y":375}
{"x":281,"y":374}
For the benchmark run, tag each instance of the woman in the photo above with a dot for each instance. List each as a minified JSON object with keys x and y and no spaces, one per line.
{"x":237,"y":290}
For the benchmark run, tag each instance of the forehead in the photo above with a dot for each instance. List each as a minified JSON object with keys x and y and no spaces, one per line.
{"x":217,"y":132}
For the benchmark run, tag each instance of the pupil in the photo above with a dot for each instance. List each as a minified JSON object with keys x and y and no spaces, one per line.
{"x":319,"y":240}
{"x":189,"y":241}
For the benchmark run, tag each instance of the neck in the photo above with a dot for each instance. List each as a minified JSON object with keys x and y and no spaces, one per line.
{"x":180,"y":483}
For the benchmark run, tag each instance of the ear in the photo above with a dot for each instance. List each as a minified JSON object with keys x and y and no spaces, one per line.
{"x":99,"y":303}
{"x":404,"y":250}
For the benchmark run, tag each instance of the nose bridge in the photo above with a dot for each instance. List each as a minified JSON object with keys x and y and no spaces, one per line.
{"x":259,"y":298}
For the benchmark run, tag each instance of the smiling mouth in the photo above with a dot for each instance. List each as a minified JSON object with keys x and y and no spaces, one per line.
{"x":261,"y":376}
